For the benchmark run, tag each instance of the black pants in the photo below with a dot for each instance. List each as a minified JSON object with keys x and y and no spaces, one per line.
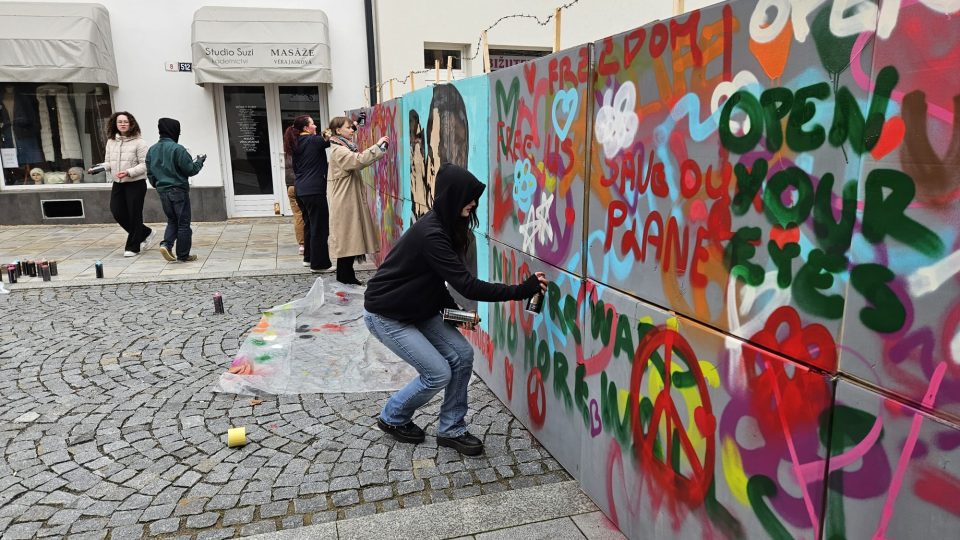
{"x":316,"y":230}
{"x":345,"y":273}
{"x":126,"y":205}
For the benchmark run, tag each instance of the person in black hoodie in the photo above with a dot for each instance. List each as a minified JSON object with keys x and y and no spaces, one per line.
{"x":403,"y":304}
{"x":309,"y":155}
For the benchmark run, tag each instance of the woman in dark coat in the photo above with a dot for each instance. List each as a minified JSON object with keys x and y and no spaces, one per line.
{"x":308,"y":151}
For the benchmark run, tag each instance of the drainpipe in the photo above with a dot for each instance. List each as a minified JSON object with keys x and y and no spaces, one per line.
{"x":371,"y":50}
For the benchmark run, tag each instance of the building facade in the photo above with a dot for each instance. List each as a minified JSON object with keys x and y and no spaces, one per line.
{"x":413,"y":33}
{"x":234,"y":76}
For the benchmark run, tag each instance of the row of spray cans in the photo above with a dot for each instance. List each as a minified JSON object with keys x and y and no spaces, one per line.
{"x":17,"y":269}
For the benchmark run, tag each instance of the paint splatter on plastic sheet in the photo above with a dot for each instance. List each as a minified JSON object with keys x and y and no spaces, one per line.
{"x":315,"y":344}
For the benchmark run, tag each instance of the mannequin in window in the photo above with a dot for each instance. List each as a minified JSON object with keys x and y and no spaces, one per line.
{"x":36,"y":175}
{"x":75,"y":175}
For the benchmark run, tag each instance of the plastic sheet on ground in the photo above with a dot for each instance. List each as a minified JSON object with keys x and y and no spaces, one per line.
{"x":315,"y":344}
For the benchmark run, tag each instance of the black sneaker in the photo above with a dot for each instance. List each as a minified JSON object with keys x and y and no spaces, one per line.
{"x":408,"y":433}
{"x":466,"y":444}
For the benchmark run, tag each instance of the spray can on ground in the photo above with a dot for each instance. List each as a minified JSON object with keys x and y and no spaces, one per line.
{"x":45,"y":271}
{"x":98,"y":266}
{"x":217,"y":303}
{"x":12,"y":273}
{"x":53,"y":268}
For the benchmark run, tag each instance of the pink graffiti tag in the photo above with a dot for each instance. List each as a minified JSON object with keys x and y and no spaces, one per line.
{"x":908,"y":446}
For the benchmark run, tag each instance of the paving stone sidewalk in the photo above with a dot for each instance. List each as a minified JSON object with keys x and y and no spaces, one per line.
{"x":109,"y":425}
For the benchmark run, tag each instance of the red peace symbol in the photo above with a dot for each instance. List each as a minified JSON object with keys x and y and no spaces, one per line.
{"x":692,"y":489}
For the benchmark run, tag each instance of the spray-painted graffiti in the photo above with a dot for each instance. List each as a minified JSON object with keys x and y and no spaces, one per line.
{"x":748,"y":216}
{"x":538,"y":144}
{"x":383,"y":178}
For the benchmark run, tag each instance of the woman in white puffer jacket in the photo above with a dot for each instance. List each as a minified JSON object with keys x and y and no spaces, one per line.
{"x":126,"y":165}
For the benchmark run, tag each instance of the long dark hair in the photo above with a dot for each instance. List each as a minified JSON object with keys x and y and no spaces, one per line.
{"x":112,"y":130}
{"x":463,"y":231}
{"x":292,"y":133}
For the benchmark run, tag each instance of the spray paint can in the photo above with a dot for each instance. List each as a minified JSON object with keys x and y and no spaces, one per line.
{"x":45,"y":271}
{"x":535,"y":303}
{"x":99,"y":268}
{"x":462,"y":316}
{"x":21,"y":267}
{"x":53,"y":268}
{"x":12,"y":273}
{"x":217,"y":303}
{"x":32,"y":268}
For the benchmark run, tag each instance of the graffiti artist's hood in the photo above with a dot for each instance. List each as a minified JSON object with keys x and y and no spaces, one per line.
{"x":455,"y":188}
{"x":169,"y":128}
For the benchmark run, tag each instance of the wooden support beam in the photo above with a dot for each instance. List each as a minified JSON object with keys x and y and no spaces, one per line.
{"x":677,"y":7}
{"x":413,"y":87}
{"x":556,"y":30}
{"x":449,"y":68}
{"x":486,"y":53}
{"x":436,"y":66}
{"x":391,"y":88}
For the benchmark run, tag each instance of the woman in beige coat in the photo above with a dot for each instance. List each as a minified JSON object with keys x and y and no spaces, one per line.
{"x":126,"y":165}
{"x":352,"y":233}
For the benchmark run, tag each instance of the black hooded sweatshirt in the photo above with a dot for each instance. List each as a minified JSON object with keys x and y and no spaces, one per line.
{"x":409,"y":285}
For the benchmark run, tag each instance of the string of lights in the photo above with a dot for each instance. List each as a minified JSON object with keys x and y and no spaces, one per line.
{"x":477,"y":50}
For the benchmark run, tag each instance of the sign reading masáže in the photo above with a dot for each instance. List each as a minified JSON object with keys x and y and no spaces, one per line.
{"x":260,"y":54}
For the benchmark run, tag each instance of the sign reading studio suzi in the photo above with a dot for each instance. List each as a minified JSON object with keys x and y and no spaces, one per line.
{"x":260,"y":55}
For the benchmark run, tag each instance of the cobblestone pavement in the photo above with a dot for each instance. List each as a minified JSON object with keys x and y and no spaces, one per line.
{"x":109,"y":427}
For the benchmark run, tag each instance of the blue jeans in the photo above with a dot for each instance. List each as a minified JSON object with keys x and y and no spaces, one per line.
{"x":444,"y":360}
{"x":176,"y":205}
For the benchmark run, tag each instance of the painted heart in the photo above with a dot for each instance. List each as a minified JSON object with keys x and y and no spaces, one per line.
{"x":596,"y":426}
{"x":565,"y":104}
{"x":890,"y":138}
{"x":508,"y":375}
{"x":530,"y":74}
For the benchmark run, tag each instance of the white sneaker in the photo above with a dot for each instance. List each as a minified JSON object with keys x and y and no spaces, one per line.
{"x":130,"y":253}
{"x":305,"y":263}
{"x":146,"y":241}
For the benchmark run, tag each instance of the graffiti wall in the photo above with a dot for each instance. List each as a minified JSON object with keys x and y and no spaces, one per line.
{"x":748,"y":215}
{"x":538,"y":145}
{"x":385,"y":195}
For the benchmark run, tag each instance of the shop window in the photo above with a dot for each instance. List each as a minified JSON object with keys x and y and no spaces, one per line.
{"x":432,"y":54}
{"x":51,"y":134}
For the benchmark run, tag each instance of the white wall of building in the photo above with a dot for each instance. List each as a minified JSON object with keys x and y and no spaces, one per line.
{"x":403,"y":27}
{"x":149,"y":33}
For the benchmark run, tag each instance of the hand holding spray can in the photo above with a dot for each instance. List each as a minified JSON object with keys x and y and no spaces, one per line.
{"x":461,"y":317}
{"x":535,"y":303}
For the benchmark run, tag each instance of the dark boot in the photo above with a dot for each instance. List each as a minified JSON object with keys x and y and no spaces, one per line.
{"x":408,"y":433}
{"x":466,"y":444}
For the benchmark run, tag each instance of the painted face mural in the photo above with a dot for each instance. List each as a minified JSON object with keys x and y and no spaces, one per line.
{"x":749,"y":218}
